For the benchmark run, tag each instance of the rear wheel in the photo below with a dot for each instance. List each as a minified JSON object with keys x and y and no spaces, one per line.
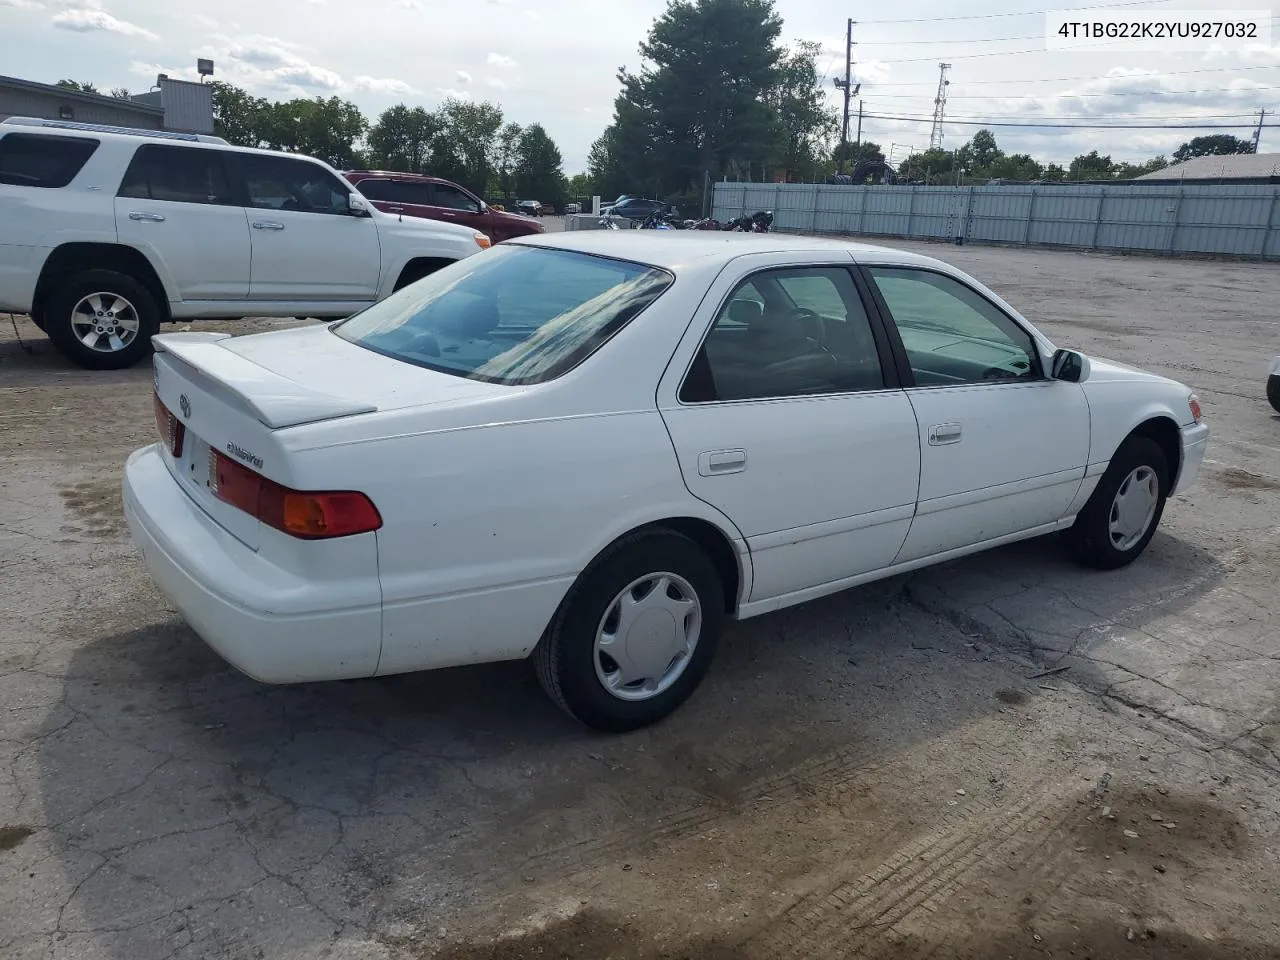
{"x":1273,"y":391}
{"x":1121,"y":516}
{"x":101,"y":319}
{"x":636,"y":634}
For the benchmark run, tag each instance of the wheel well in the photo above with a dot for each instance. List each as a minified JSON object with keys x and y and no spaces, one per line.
{"x":718,"y":548}
{"x":73,"y":257}
{"x":1165,"y":433}
{"x":418,"y":268}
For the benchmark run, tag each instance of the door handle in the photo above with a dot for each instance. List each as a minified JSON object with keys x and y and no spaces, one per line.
{"x":941,"y":433}
{"x":267,"y":225}
{"x":715,"y":462}
{"x":395,"y":207}
{"x":148,"y":217}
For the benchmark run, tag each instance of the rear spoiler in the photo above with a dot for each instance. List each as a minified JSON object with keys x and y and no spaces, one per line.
{"x":274,"y":400}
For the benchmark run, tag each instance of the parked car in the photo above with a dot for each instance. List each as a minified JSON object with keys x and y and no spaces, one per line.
{"x":1273,"y":385}
{"x":573,"y":208}
{"x":638,"y":208}
{"x":530,"y":208}
{"x":412,"y":195}
{"x":623,"y":198}
{"x":107,"y":232}
{"x":593,"y":448}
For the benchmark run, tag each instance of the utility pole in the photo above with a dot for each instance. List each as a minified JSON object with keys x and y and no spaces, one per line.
{"x":858,"y":149}
{"x":850,"y":89}
{"x":939,"y":107}
{"x":1257,"y":134}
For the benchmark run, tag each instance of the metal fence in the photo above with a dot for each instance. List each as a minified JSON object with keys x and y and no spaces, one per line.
{"x":1232,"y":220}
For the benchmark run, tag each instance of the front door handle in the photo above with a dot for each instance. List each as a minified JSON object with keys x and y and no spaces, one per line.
{"x":395,"y":208}
{"x":941,"y":433}
{"x":148,"y":217}
{"x":715,"y":462}
{"x":267,"y":225}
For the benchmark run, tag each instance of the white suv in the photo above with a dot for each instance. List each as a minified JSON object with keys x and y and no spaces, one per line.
{"x":106,"y":232}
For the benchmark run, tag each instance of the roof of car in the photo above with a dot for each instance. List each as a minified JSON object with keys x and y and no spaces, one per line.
{"x":674,"y":249}
{"x":394,"y":175}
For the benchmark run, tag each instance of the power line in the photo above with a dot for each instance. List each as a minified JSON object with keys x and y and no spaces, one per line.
{"x":1145,"y":76}
{"x":1079,"y":126}
{"x":1045,"y":96}
{"x":1111,"y":116}
{"x":1026,"y":13}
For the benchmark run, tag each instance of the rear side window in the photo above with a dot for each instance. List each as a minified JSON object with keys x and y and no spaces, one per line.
{"x":398,"y":191}
{"x":178,"y":175}
{"x":37,"y":160}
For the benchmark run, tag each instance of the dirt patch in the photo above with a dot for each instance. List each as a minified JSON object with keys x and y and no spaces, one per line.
{"x":11,"y":836}
{"x":1012,"y":698}
{"x":591,"y":935}
{"x":98,"y":505}
{"x":1233,"y":478}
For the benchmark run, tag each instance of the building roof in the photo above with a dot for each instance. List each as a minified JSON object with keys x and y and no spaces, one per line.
{"x":1236,"y":166}
{"x":79,"y":96}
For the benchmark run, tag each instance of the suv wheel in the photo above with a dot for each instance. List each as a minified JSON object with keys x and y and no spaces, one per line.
{"x":101,"y":319}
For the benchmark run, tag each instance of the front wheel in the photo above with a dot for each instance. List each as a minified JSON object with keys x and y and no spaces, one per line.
{"x":635,"y":635}
{"x":101,"y":319}
{"x":1121,"y":516}
{"x":1273,"y":391}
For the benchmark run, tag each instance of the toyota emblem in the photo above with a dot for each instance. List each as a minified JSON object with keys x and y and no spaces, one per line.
{"x":185,"y":404}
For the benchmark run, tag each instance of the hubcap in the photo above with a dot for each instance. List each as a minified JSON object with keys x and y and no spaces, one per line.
{"x":105,"y":322}
{"x":647,"y":636}
{"x":1134,"y":507}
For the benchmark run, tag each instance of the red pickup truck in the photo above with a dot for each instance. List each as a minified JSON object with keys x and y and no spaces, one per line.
{"x":413,"y":195}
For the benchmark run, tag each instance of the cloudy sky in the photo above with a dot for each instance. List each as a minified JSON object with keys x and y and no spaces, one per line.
{"x":554,"y":61}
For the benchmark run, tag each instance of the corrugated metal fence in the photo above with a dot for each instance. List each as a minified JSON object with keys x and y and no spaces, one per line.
{"x":1234,"y":220}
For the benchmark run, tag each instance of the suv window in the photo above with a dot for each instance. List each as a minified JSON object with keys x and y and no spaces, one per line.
{"x":282,"y":183}
{"x":453,"y":198}
{"x":37,"y":160}
{"x":177,"y":175}
{"x":787,"y":333}
{"x":398,"y":191}
{"x":517,"y":315}
{"x":953,"y":334}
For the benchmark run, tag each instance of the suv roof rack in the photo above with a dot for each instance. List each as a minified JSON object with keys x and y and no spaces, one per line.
{"x":107,"y":128}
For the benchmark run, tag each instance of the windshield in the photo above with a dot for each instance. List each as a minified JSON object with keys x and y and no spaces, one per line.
{"x":512,"y":315}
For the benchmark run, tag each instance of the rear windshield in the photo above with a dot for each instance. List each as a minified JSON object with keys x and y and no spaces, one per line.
{"x":511,"y":315}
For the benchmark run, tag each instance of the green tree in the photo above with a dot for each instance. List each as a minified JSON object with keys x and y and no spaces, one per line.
{"x":807,"y":124}
{"x":1018,"y":166}
{"x":465,"y":150}
{"x":120,"y":93}
{"x":1128,"y":171}
{"x":325,"y":129}
{"x":857,"y":153}
{"x":1053,"y":173}
{"x":77,"y":86}
{"x":1090,"y":166}
{"x":981,"y":153}
{"x":538,"y":172}
{"x":401,"y":139}
{"x":581,"y":185}
{"x":504,"y":173}
{"x":237,"y":115}
{"x":928,"y":166}
{"x":1217,"y":145}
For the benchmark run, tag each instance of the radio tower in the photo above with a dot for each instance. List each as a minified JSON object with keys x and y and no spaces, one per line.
{"x":939,"y":107}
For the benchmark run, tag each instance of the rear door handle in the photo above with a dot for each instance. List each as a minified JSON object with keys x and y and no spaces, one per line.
{"x":715,"y":462}
{"x":267,"y":225}
{"x":941,"y":433}
{"x":148,"y":217}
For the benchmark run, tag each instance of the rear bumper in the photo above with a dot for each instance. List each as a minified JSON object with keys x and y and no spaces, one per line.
{"x":232,"y":596}
{"x":1194,"y":440}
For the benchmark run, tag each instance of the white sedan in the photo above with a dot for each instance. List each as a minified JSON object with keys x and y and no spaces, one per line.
{"x":592,"y":449}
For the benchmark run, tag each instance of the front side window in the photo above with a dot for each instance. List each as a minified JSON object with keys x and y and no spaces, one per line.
{"x":454,"y":199}
{"x":178,"y":175}
{"x":513,"y":315}
{"x":37,"y":160}
{"x":787,"y":333}
{"x":952,"y":334}
{"x":281,"y":183}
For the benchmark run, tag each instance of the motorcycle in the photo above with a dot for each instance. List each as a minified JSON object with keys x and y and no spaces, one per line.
{"x":759,"y":222}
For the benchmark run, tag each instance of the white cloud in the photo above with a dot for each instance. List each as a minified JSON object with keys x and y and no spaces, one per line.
{"x":462,"y":76}
{"x":533,"y":14}
{"x":309,"y":76}
{"x":408,"y":4}
{"x":151,"y":70}
{"x":87,"y":20}
{"x":501,"y":60}
{"x":449,"y":93}
{"x":257,"y":61}
{"x":22,"y":4}
{"x":495,"y":83}
{"x":385,"y":85}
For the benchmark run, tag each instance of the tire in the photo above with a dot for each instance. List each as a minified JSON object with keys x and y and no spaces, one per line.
{"x":1092,"y":539}
{"x":1273,"y":391}
{"x":66,"y":313}
{"x":576,"y":676}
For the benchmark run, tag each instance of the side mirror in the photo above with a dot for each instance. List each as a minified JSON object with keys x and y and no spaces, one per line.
{"x":357,"y":206}
{"x":484,"y":207}
{"x":1070,"y":366}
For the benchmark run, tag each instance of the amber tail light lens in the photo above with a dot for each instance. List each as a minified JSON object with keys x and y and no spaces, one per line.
{"x":308,"y":515}
{"x":169,"y":427}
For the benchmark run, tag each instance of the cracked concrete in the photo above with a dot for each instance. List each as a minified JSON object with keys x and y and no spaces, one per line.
{"x":155,"y":804}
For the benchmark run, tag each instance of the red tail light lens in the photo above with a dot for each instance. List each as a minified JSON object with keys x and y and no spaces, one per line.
{"x":308,"y":515}
{"x":170,"y":428}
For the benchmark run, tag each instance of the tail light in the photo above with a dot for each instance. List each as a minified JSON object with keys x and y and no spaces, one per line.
{"x":170,"y":428}
{"x":308,"y":515}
